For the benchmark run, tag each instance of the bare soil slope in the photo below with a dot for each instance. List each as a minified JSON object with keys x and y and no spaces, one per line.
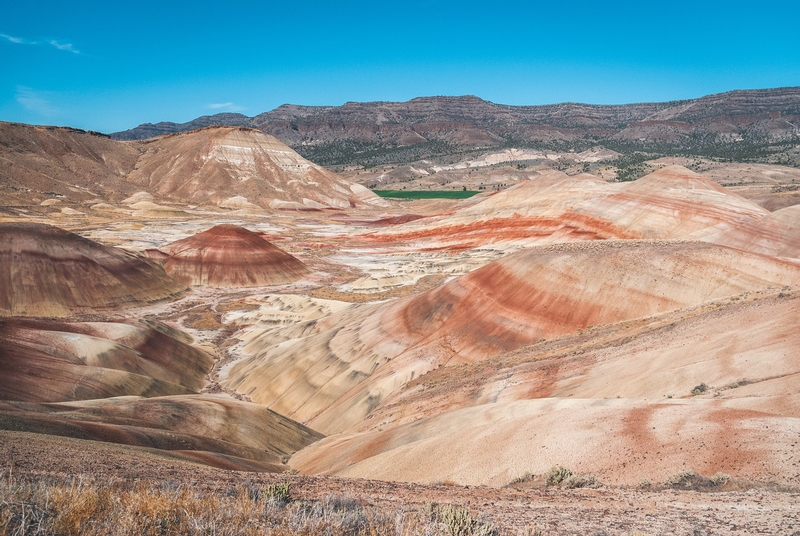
{"x":213,"y":429}
{"x":47,"y":361}
{"x":230,"y":256}
{"x":224,"y":166}
{"x":41,"y":163}
{"x":616,"y":402}
{"x":218,"y":163}
{"x":333,"y":372}
{"x":673,"y":202}
{"x":47,"y":271}
{"x":776,"y":234}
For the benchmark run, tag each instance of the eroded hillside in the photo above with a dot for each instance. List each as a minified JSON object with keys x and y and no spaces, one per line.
{"x":626,"y":330}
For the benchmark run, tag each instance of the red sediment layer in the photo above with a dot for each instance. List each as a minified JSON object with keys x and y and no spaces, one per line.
{"x":396,"y":220}
{"x":550,"y":292}
{"x":231,"y":256}
{"x":670,"y":203}
{"x":577,"y":226}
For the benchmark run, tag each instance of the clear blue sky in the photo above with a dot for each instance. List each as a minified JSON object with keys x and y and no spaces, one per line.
{"x":109,"y":66}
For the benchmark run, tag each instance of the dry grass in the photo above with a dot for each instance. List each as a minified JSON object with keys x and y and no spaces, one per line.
{"x":582,"y":481}
{"x":455,"y":521}
{"x":694,"y":481}
{"x":116,"y":508}
{"x":557,"y":476}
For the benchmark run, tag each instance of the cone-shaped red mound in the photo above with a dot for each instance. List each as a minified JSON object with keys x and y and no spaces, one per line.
{"x":47,"y":271}
{"x":231,"y":256}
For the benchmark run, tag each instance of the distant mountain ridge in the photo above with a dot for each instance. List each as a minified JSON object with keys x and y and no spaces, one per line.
{"x":743,"y":121}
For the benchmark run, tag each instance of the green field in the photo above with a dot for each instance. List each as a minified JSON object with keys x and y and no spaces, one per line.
{"x":426,"y":194}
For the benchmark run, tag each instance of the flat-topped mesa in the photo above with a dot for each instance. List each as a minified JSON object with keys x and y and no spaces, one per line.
{"x":472,"y":123}
{"x":230,"y":256}
{"x":47,"y":271}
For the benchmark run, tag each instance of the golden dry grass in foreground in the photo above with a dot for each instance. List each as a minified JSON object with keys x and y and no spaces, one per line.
{"x":234,"y":502}
{"x":86,"y":505}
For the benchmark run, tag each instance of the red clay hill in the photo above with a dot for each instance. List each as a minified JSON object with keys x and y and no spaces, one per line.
{"x":47,"y":271}
{"x":230,"y":256}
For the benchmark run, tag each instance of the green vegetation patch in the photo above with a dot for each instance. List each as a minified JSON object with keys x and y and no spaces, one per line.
{"x":426,"y":194}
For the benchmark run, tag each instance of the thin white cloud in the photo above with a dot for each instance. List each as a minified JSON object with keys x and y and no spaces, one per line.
{"x":35,"y":101}
{"x":64,"y":46}
{"x":17,"y":40}
{"x":225,"y":106}
{"x":67,"y":47}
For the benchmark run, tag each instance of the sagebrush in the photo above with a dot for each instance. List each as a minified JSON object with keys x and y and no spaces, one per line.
{"x":83,"y":506}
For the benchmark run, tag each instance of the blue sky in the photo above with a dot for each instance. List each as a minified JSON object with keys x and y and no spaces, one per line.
{"x":109,"y":66}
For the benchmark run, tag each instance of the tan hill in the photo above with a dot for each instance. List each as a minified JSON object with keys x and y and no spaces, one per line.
{"x":672,"y":202}
{"x":230,"y":256}
{"x":217,"y":163}
{"x":86,"y":380}
{"x":212,"y":429}
{"x":616,"y":402}
{"x":224,"y":166}
{"x":333,"y":372}
{"x":48,"y":361}
{"x":40,"y":164}
{"x":47,"y":271}
{"x":776,"y":234}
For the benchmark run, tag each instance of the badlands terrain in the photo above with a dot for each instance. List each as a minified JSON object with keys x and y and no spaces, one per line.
{"x":747,"y":140}
{"x":211,"y":308}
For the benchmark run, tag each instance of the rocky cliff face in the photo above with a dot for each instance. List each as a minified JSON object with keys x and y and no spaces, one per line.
{"x":378,"y":132}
